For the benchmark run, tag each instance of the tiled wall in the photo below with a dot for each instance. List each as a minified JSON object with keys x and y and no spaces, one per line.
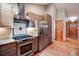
{"x":5,"y":33}
{"x":17,"y":30}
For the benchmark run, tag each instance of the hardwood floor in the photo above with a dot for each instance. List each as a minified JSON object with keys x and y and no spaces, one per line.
{"x":60,"y":48}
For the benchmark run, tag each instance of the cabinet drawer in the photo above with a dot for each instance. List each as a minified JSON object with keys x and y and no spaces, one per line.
{"x":8,"y":49}
{"x":8,"y":46}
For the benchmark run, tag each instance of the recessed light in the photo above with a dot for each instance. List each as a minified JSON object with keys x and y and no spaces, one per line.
{"x":73,"y":19}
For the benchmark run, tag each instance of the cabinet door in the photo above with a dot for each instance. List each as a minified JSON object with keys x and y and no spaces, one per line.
{"x":33,"y":16}
{"x":6,"y":15}
{"x":41,"y":42}
{"x":45,"y":40}
{"x":35,"y":44}
{"x":8,"y":49}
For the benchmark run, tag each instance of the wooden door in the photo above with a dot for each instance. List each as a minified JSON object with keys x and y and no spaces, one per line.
{"x":59,"y":30}
{"x":67,"y":29}
{"x":73,"y":29}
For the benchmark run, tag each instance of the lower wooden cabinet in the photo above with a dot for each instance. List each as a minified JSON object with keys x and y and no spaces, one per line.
{"x":41,"y":42}
{"x":8,"y":49}
{"x":35,"y":43}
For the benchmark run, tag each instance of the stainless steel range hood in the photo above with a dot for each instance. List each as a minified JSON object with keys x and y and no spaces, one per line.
{"x":21,"y":8}
{"x":21,"y":15}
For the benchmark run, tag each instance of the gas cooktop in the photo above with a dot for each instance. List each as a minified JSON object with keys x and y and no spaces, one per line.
{"x":22,"y":37}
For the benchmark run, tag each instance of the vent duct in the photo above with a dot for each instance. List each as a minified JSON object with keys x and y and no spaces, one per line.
{"x":21,"y":14}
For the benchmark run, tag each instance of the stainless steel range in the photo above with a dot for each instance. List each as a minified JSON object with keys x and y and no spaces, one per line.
{"x":24,"y":45}
{"x":24,"y":42}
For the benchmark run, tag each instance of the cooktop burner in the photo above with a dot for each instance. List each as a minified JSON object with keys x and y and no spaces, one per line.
{"x":21,"y":37}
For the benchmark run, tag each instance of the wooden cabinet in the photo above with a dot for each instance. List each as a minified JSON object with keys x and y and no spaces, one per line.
{"x":41,"y":17}
{"x":59,"y":30}
{"x":6,"y":15}
{"x":32,"y":16}
{"x":41,"y":42}
{"x":45,"y":33}
{"x":35,"y":43}
{"x":8,"y":49}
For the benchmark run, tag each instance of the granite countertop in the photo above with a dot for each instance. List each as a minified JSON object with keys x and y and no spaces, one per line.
{"x":5,"y":41}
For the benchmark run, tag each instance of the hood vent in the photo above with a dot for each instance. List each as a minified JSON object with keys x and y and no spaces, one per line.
{"x":21,"y":8}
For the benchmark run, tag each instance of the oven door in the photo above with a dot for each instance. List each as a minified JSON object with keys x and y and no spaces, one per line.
{"x":25,"y":49}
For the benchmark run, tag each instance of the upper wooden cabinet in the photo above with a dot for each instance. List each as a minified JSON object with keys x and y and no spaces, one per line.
{"x":6,"y":15}
{"x":41,"y":17}
{"x":34,"y":16}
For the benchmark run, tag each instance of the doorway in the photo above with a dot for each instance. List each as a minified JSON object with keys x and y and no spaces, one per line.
{"x":59,"y":30}
{"x":72,"y":29}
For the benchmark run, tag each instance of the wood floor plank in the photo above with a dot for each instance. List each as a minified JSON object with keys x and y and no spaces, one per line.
{"x":61,"y":48}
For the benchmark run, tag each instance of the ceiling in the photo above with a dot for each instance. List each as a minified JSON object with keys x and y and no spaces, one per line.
{"x":72,"y":9}
{"x":42,"y":3}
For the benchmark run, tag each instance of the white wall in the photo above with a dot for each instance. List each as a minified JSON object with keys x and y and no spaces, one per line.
{"x":35,"y":8}
{"x":15,"y":8}
{"x":61,"y":14}
{"x":51,"y":10}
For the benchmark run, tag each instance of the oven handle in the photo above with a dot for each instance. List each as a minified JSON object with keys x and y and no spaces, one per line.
{"x":18,"y":52}
{"x":25,"y":43}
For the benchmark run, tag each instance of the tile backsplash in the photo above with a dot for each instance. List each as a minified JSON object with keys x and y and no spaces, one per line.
{"x":32,"y":31}
{"x":19,"y":28}
{"x":5,"y":33}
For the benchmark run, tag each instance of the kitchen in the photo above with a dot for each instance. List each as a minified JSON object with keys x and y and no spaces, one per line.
{"x":39,"y":29}
{"x":23,"y":32}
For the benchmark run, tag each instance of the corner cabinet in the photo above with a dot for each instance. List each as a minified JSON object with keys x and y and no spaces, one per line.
{"x":6,"y":16}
